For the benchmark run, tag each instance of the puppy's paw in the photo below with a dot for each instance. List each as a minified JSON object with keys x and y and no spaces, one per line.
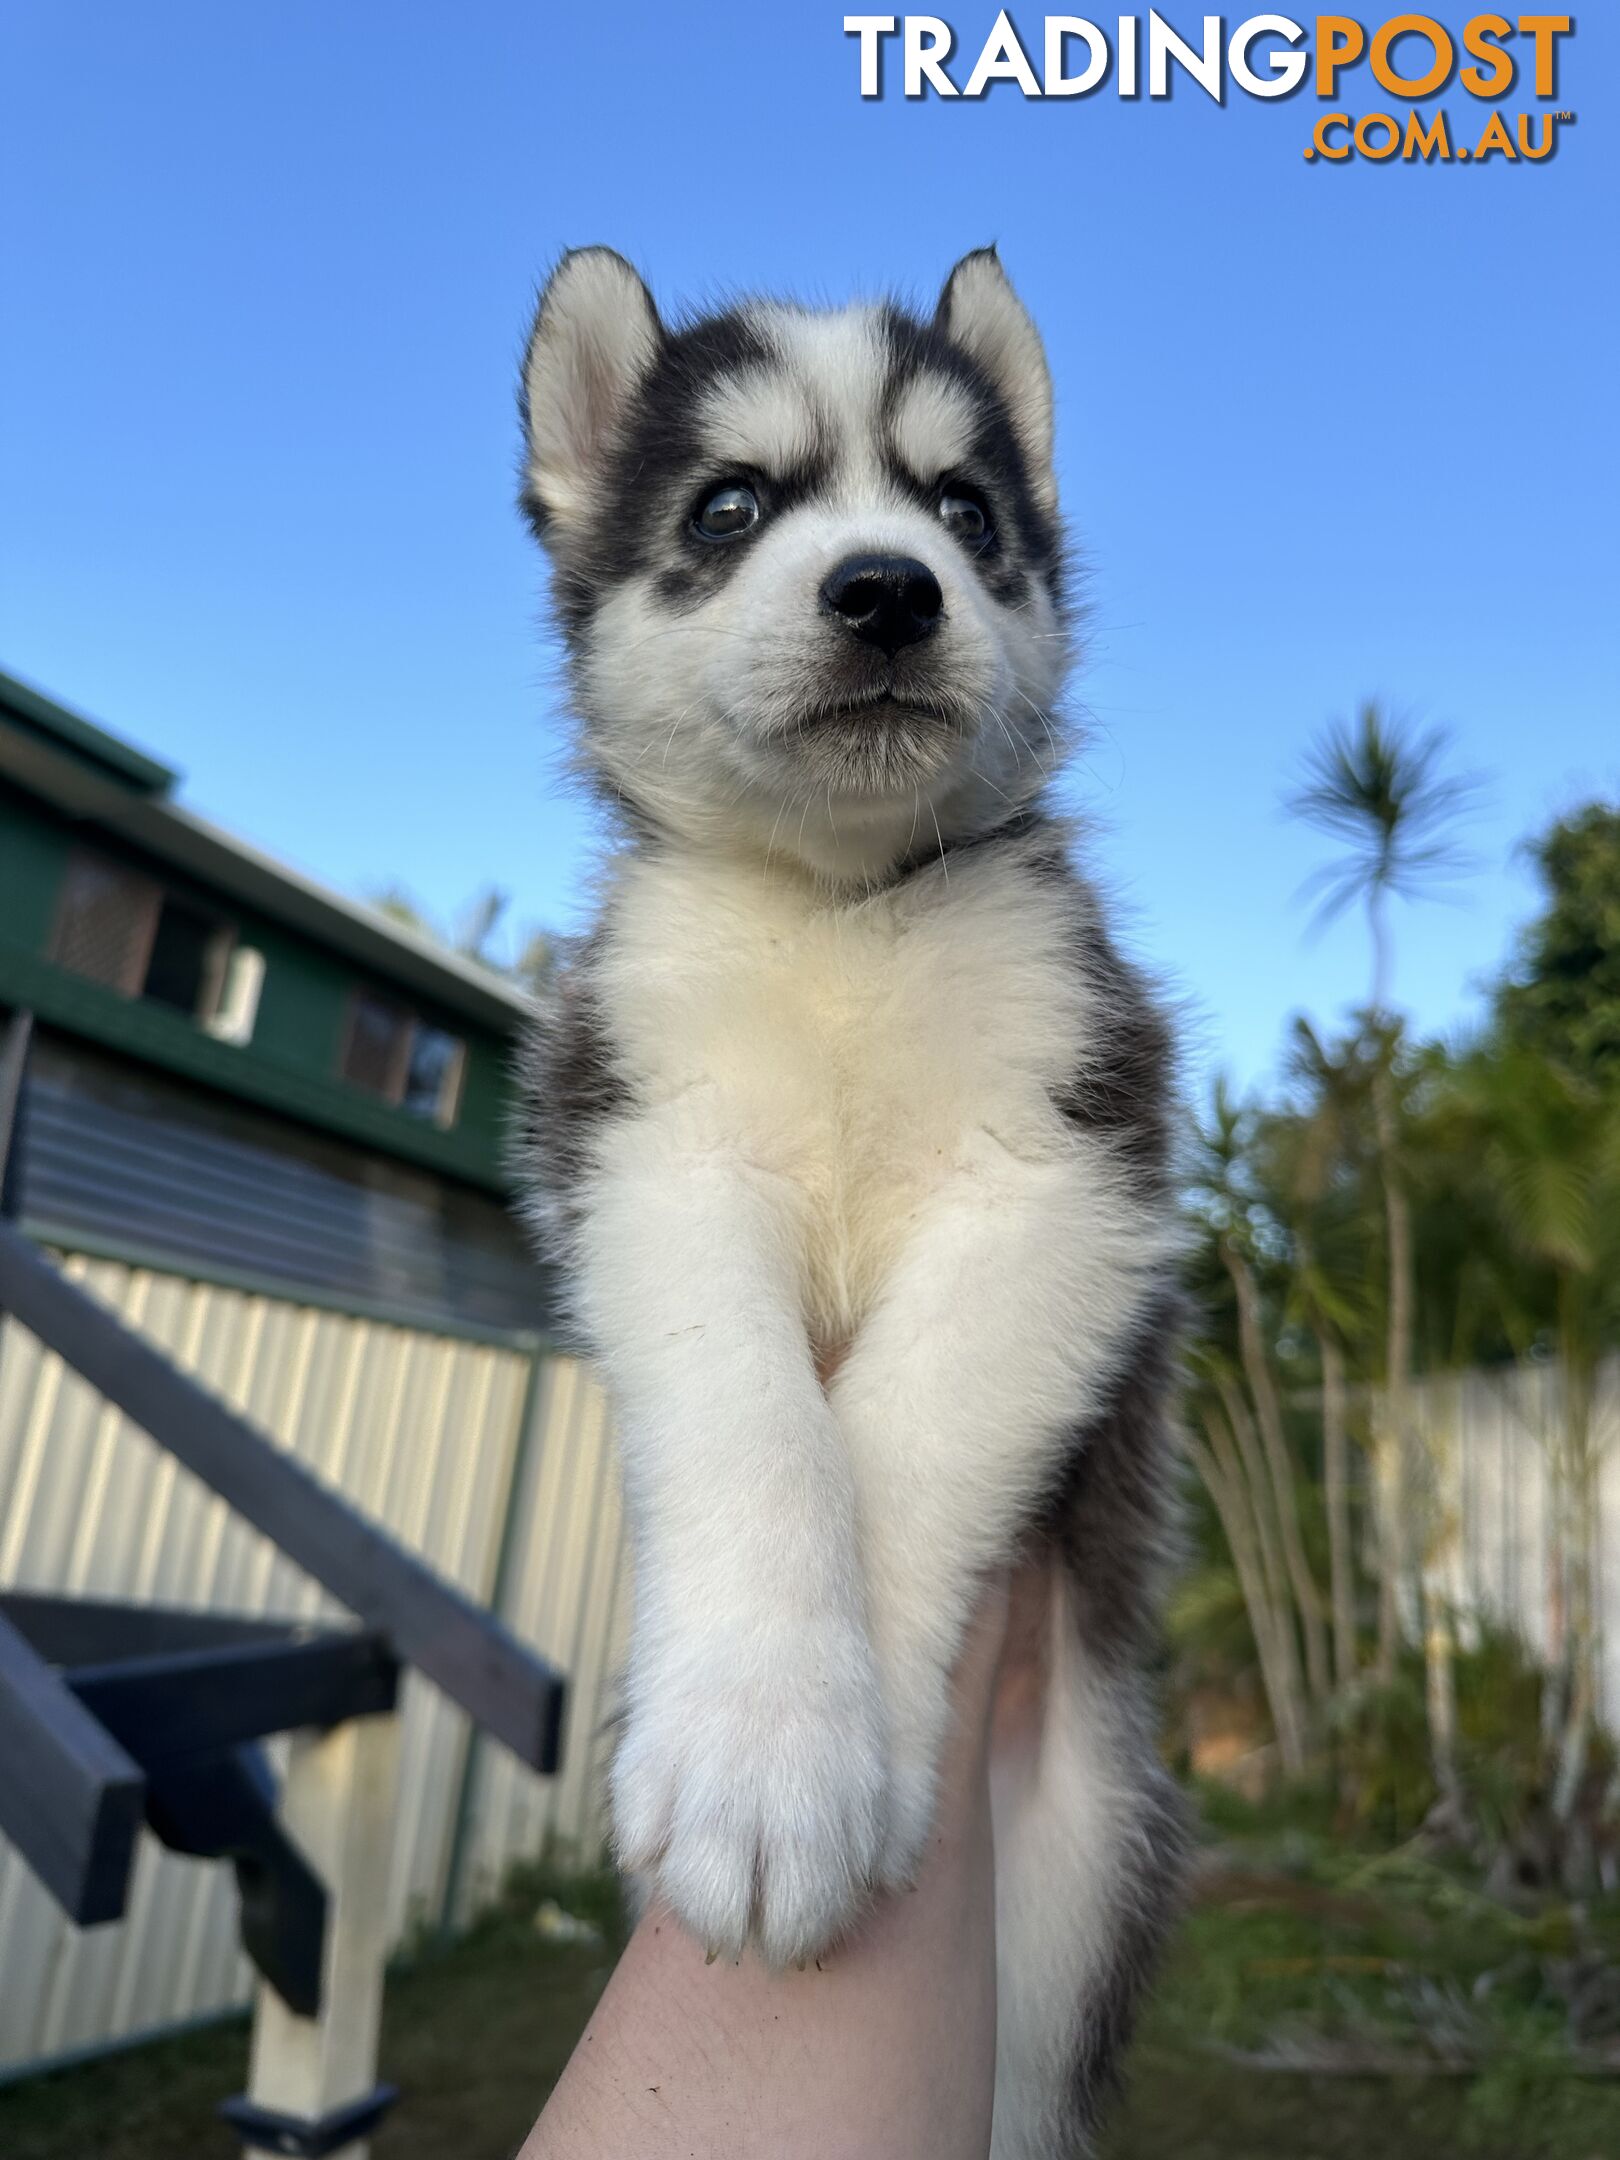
{"x":913,"y":1805}
{"x":752,"y":1784}
{"x":918,"y":1698}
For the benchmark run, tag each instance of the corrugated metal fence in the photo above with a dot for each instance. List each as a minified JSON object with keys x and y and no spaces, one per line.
{"x":1492,"y":1440}
{"x":488,"y":1458}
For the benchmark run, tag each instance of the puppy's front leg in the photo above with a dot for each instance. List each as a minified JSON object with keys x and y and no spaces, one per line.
{"x":1006,"y":1313}
{"x":752,"y":1779}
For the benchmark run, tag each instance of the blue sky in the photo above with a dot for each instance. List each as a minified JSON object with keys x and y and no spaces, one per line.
{"x":1323,"y":431}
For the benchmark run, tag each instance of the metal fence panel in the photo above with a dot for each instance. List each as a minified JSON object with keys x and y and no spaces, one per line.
{"x":427,"y":1433}
{"x":1492,"y":1440}
{"x":566,"y":1590}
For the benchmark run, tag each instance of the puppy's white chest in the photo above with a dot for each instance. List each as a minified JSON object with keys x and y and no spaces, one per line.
{"x":864,"y":1052}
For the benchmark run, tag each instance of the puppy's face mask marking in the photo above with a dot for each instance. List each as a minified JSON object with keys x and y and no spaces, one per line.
{"x":807,"y":564}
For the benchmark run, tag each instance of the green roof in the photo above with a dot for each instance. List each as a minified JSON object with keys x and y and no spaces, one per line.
{"x":83,"y":740}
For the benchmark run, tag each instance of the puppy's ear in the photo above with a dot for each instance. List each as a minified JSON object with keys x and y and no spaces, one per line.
{"x":594,"y":338}
{"x":979,"y":311}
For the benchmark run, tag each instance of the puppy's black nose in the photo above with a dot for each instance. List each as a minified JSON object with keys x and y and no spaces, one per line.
{"x":887,"y":600}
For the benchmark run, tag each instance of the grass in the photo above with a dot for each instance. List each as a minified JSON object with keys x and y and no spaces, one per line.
{"x":1303,"y":1950}
{"x":475,"y":2034}
{"x":1378,"y":1976}
{"x":1296,"y":1948}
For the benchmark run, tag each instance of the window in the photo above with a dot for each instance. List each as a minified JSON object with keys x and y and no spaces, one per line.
{"x":433,"y":1076}
{"x":117,"y":927}
{"x":235,"y":1015}
{"x":391,"y":1053}
{"x":105,"y":922}
{"x":377,"y":1046}
{"x":187,"y":961}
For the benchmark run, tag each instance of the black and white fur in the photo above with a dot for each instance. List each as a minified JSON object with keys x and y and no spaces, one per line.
{"x":850,"y":1080}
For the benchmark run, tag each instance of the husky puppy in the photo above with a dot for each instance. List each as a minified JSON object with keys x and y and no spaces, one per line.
{"x":849,"y":1126}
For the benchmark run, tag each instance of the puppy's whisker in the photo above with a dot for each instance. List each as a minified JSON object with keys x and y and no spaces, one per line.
{"x":944,"y":866}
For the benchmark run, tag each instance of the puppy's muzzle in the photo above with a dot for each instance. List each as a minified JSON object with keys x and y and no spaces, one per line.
{"x":885,"y":600}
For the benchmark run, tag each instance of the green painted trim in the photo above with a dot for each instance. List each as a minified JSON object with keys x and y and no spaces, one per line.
{"x":93,"y":745}
{"x":154,"y":1036}
{"x":531,"y":1342}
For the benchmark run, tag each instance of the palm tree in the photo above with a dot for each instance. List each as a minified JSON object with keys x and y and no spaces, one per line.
{"x":1225,"y":1194}
{"x":1312,"y":1150}
{"x":1381,"y":787}
{"x":473,"y":933}
{"x":1226,"y":1462}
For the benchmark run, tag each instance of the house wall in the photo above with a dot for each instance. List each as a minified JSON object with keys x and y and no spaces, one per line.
{"x":489,"y":1458}
{"x":33,"y":851}
{"x":116,"y":1157}
{"x":291,"y":1064}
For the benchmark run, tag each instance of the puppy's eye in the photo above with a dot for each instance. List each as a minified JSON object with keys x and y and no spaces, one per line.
{"x":963,"y":514}
{"x":727,"y":514}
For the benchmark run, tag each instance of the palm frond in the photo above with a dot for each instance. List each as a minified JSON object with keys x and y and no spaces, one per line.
{"x":1381,"y":785}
